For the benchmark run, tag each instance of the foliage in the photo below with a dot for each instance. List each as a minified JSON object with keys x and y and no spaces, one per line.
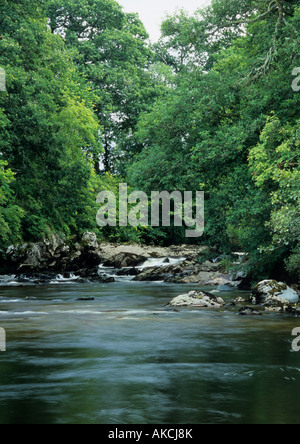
{"x":209,"y":107}
{"x":113,"y":54}
{"x":276,"y":167}
{"x":229,"y":126}
{"x":10,"y":214}
{"x":48,"y":121}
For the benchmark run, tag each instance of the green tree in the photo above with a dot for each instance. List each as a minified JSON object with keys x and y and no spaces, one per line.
{"x":232,"y":67}
{"x":49,"y":126}
{"x":275,"y":163}
{"x":10,"y":214}
{"x":113,"y":54}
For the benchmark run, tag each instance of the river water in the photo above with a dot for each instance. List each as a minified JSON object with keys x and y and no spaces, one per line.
{"x":126,"y":358}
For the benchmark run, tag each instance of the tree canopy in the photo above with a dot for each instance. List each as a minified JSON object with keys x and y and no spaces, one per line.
{"x":213,"y":106}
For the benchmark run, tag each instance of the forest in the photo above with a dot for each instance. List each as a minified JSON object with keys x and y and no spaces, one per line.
{"x":90,"y":102}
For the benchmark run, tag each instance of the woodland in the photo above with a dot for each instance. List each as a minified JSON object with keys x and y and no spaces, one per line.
{"x":91,"y":102}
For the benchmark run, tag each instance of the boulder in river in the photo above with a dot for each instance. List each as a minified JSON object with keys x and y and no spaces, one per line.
{"x":125,"y":259}
{"x":279,"y":305}
{"x":249,"y":311}
{"x":37,"y":256}
{"x":197,"y":299}
{"x":267,"y":290}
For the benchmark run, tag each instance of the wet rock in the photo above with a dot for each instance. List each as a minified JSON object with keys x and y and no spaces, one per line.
{"x":197,"y":299}
{"x":104,"y":279}
{"x":266,"y":290}
{"x":123,"y":260}
{"x":210,"y":266}
{"x":240,"y":300}
{"x":153,"y":274}
{"x":249,"y":311}
{"x":128,"y":272}
{"x":37,"y":256}
{"x":85,"y":254}
{"x":279,"y":305}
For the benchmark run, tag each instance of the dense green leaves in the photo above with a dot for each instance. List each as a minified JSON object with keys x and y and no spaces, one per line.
{"x":230,"y":125}
{"x":209,"y":107}
{"x":113,"y":54}
{"x":10,"y":214}
{"x":46,"y":122}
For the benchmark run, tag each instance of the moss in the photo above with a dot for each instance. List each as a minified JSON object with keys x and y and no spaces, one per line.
{"x":277,"y":287}
{"x":274,"y":287}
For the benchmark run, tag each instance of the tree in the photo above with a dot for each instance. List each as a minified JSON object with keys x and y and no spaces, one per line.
{"x":275,"y":163}
{"x":10,"y":214}
{"x":113,"y":54}
{"x":232,"y":67}
{"x":49,"y":123}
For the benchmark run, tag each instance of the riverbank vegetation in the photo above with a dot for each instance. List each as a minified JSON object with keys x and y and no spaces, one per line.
{"x":91,"y":102}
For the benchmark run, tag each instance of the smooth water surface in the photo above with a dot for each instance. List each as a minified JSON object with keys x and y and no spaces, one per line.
{"x":126,"y":358}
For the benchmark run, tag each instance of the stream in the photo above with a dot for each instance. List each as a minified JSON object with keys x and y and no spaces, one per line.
{"x":126,"y":358}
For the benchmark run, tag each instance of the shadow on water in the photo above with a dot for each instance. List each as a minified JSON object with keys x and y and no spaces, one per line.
{"x":123,"y":358}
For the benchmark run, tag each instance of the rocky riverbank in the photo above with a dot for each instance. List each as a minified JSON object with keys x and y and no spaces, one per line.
{"x":88,"y":260}
{"x":178,"y":264}
{"x":267,"y":296}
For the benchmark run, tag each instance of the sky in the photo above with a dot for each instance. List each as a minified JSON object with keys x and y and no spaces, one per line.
{"x":152,"y":12}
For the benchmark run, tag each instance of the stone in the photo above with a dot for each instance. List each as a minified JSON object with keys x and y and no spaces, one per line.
{"x":104,"y":279}
{"x":89,"y":240}
{"x":54,"y":244}
{"x":240,"y":300}
{"x":197,"y":299}
{"x":123,"y":260}
{"x":271,"y":288}
{"x":277,"y":304}
{"x":249,"y":311}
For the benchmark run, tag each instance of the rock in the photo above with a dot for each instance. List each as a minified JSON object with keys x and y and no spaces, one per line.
{"x":279,"y":305}
{"x":271,"y":288}
{"x":55,"y":245}
{"x":210,"y":266}
{"x":249,"y":311}
{"x":123,"y":260}
{"x":37,"y":256}
{"x":154,"y":274}
{"x":197,"y":299}
{"x":84,"y":254}
{"x":128,"y":272}
{"x":89,"y":240}
{"x":205,"y":278}
{"x":240,"y":300}
{"x":104,"y":279}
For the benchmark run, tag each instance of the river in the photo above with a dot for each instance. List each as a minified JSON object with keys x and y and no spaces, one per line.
{"x":125,"y":358}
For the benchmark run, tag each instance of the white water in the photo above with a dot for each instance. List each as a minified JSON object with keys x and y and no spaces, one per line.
{"x":161,"y":262}
{"x":149,"y":263}
{"x":11,"y":280}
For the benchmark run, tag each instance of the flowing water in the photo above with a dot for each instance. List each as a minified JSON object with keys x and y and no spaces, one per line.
{"x":124,"y":357}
